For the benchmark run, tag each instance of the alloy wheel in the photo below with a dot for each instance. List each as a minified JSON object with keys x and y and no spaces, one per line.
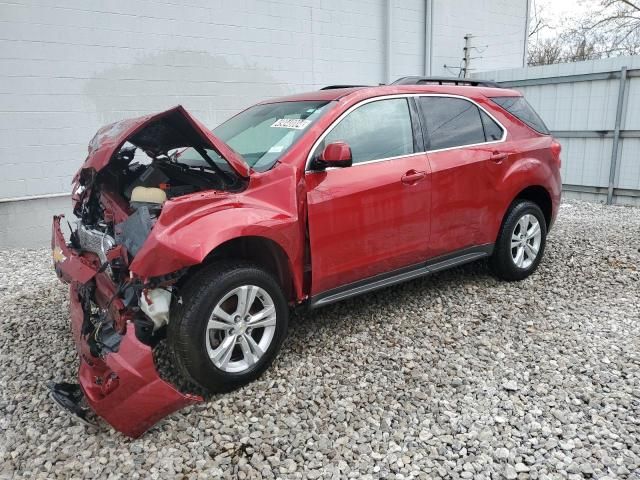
{"x":525,"y":241}
{"x":240,"y":328}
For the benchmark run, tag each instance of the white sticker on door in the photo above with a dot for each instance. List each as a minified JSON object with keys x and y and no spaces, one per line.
{"x":295,"y":123}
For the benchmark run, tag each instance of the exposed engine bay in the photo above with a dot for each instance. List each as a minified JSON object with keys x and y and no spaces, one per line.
{"x":135,"y":166}
{"x":118,"y":206}
{"x":137,"y":190}
{"x":134,"y":171}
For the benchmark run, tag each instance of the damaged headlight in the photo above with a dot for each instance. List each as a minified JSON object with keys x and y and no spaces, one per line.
{"x":95,"y":241}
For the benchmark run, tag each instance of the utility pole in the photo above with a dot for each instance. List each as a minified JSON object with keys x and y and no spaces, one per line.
{"x":466,"y":61}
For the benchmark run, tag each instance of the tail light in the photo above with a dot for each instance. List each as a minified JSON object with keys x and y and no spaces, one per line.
{"x":556,"y":148}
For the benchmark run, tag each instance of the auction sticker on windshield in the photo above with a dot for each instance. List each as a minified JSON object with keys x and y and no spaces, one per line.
{"x":295,"y":123}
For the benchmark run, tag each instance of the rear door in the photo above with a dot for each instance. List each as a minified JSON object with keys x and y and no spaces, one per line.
{"x":372,"y":217}
{"x":466,"y":152}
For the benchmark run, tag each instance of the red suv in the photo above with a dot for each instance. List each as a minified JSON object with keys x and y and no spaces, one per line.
{"x":206,"y":239}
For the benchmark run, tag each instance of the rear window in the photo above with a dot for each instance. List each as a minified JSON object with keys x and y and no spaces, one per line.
{"x":520,"y":108}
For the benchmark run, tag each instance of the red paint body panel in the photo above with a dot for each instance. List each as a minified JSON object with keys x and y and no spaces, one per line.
{"x":191,"y":227}
{"x":115,"y":207}
{"x":355,"y":94}
{"x":364,"y":220}
{"x":69,"y":266}
{"x":122,"y":387}
{"x":110,"y":137}
{"x":462,"y":194}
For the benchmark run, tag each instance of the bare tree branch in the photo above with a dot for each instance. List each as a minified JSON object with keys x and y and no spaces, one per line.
{"x":613,"y":28}
{"x":539,"y":23}
{"x":631,"y":5}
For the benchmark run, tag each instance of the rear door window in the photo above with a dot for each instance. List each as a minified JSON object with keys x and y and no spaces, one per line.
{"x":451,"y":122}
{"x":520,"y":108}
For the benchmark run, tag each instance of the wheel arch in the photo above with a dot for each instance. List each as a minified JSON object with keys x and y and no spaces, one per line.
{"x":538,"y":195}
{"x":261,"y":251}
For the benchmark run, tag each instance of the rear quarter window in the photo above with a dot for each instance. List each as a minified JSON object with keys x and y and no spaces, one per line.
{"x":520,"y":108}
{"x":492,"y":131}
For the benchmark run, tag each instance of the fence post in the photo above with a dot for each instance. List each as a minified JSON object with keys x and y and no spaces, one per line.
{"x":616,"y":135}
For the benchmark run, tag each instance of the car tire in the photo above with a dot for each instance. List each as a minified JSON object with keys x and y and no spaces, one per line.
{"x":217,"y":358}
{"x":519,"y":248}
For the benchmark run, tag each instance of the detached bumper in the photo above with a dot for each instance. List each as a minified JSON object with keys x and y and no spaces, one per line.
{"x":122,"y":386}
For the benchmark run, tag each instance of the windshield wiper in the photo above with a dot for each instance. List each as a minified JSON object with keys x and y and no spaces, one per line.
{"x":229,"y":180}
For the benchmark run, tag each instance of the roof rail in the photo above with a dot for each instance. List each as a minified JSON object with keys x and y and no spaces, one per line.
{"x":471,"y":82}
{"x":333,"y":87}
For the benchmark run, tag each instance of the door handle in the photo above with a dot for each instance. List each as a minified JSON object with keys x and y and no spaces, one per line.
{"x":413,"y":176}
{"x":498,"y":157}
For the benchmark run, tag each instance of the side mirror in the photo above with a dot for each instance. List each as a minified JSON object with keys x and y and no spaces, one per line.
{"x":337,"y":154}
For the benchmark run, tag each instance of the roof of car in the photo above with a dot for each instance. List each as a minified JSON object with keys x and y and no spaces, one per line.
{"x":374,"y":91}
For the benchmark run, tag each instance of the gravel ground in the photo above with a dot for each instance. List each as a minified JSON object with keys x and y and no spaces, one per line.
{"x":453,"y":376}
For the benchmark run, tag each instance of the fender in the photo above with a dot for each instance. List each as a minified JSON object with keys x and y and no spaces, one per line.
{"x":524,"y":172}
{"x":191,"y":227}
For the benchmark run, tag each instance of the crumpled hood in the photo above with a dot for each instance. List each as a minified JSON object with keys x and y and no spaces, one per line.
{"x":160,"y":132}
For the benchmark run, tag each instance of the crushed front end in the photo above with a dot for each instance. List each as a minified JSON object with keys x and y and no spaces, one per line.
{"x":119,"y":313}
{"x":114,"y":340}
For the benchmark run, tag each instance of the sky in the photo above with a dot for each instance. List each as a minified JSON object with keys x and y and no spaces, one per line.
{"x":557,"y":10}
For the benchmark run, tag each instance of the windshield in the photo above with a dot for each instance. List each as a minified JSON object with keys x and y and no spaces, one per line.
{"x":261,"y":134}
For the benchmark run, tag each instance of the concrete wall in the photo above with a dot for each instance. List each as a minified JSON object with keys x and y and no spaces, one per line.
{"x":497,"y":29}
{"x":68,"y":67}
{"x":27,"y":224}
{"x":71,"y":66}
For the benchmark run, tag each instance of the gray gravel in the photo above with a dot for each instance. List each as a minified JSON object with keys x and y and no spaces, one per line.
{"x":453,"y":376}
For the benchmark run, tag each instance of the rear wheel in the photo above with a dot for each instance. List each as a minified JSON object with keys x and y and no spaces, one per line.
{"x":230,"y":325}
{"x":520,"y":245}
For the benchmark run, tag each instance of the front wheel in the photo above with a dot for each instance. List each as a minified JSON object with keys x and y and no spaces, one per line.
{"x":229,"y":326}
{"x":521,"y":241}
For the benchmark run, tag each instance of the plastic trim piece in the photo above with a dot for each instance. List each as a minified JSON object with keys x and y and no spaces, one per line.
{"x":335,"y":87}
{"x":469,"y":82}
{"x":377,"y":282}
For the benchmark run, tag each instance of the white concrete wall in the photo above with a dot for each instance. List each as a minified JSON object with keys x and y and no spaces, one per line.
{"x":68,"y":67}
{"x":407,"y":39}
{"x":497,"y":29}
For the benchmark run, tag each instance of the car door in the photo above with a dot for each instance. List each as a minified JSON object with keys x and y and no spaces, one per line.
{"x":372,"y":217}
{"x":465,"y":147}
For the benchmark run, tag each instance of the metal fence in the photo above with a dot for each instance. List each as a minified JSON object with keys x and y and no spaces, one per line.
{"x":593,"y":108}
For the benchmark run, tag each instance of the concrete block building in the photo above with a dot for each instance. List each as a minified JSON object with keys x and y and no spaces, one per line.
{"x":68,"y":67}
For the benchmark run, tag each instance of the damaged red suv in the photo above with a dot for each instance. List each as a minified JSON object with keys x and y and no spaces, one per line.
{"x":206,"y":239}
